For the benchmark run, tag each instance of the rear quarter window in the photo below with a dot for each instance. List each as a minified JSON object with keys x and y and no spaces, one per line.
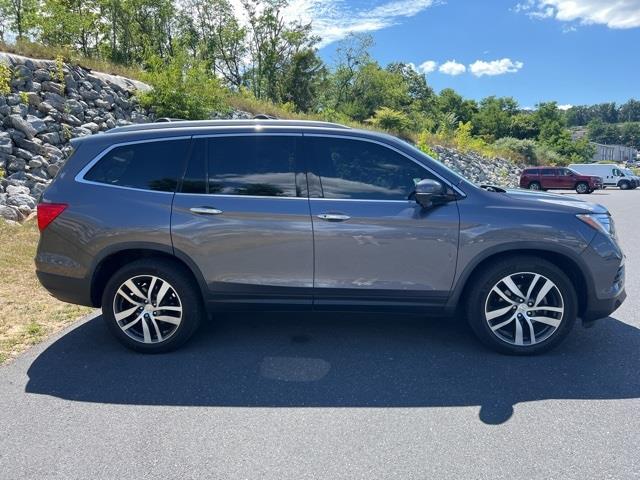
{"x":150,"y":165}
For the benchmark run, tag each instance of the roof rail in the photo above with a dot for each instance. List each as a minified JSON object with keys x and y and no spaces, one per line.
{"x":169,"y":123}
{"x":264,"y":116}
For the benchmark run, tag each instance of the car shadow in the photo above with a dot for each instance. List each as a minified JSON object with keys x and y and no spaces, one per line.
{"x":338,"y":360}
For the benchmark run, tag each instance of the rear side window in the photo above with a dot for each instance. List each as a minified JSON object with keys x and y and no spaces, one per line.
{"x":149,"y":166}
{"x":355,"y":169}
{"x":548,"y":171}
{"x":256,"y":165}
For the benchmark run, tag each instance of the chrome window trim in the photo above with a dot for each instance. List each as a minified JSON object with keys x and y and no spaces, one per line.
{"x":390,"y":147}
{"x":81,"y":174}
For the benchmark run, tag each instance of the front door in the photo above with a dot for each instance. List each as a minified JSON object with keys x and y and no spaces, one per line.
{"x":242,"y":216}
{"x":373,"y":244}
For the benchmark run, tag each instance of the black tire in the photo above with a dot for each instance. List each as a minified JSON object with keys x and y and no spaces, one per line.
{"x":534,"y":186}
{"x":624,"y":185}
{"x":186,"y":290}
{"x":482,"y":286}
{"x":582,"y":188}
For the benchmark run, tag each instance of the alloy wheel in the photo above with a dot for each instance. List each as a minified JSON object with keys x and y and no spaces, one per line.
{"x":534,"y":186}
{"x":147,"y":308}
{"x":524,"y":309}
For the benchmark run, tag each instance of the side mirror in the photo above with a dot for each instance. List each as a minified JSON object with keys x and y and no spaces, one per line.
{"x":428,"y":192}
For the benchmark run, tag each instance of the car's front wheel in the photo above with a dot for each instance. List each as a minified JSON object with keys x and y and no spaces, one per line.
{"x":152,"y":305}
{"x":522,"y":306}
{"x":582,"y":188}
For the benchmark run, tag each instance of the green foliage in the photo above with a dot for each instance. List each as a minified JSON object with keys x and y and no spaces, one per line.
{"x":423,"y":144}
{"x":5,"y":79}
{"x":24,"y":97}
{"x":182,"y":88}
{"x":59,"y":75}
{"x":391,"y":120}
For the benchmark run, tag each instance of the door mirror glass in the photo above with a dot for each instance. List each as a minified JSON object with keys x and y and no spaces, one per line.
{"x":428,"y":192}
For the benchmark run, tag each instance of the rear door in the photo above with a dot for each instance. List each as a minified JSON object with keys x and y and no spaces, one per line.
{"x":242,"y":216}
{"x":549,"y":178}
{"x":373,"y":244}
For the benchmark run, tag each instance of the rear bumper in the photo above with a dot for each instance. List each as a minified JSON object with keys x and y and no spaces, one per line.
{"x":66,"y":289}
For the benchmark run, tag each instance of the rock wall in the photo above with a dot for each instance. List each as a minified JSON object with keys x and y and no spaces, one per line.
{"x":44,"y":110}
{"x":480,"y":170}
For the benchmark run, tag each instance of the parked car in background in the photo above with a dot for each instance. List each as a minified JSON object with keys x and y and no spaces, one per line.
{"x":629,"y":174}
{"x":611,"y":174}
{"x":558,"y":178}
{"x":162,"y":224}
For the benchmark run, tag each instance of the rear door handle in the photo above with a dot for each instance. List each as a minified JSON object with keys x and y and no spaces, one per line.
{"x":333,"y":217}
{"x":205,"y":211}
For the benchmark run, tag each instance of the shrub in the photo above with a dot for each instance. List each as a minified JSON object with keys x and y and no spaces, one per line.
{"x":182,"y":89}
{"x":390,"y":119}
{"x":5,"y":79}
{"x":524,"y":150}
{"x":423,"y":144}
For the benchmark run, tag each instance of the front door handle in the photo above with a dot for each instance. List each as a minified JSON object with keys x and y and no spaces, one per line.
{"x":205,"y":211}
{"x":333,"y":217}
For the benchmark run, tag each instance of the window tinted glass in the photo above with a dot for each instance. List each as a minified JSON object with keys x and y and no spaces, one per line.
{"x":195,"y":177}
{"x":363,"y":170}
{"x":151,"y":165}
{"x":548,"y":171}
{"x":253,"y":165}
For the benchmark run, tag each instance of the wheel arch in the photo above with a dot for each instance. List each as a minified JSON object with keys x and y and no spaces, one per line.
{"x":569,"y":263}
{"x":113,"y":259}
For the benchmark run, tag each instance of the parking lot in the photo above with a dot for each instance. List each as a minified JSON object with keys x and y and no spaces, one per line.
{"x":335,"y":396}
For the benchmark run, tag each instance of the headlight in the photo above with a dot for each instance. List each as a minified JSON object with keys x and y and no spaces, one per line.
{"x":600,"y":221}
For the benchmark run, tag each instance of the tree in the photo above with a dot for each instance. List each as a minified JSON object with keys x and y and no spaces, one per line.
{"x":352,"y":54}
{"x":214,"y":33}
{"x":273,"y":43}
{"x":630,"y":111}
{"x":74,"y":23}
{"x":421,"y":95}
{"x":523,"y":126}
{"x":450,"y":102}
{"x":19,"y":14}
{"x":494,"y":117}
{"x":304,"y":79}
{"x":630,"y":134}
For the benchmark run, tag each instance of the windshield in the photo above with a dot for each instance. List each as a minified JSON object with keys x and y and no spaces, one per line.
{"x":626,"y":171}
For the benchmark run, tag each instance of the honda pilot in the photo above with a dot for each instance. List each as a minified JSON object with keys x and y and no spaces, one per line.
{"x":162,"y":225}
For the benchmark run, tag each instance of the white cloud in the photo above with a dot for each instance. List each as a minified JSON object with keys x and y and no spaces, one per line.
{"x":427,"y":67}
{"x":451,"y":67}
{"x":565,"y":107}
{"x":612,"y":13}
{"x":495,"y":67}
{"x":333,"y":20}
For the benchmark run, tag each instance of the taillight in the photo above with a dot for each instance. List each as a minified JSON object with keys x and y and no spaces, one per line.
{"x":48,"y":212}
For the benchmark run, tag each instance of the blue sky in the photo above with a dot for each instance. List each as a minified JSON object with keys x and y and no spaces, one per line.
{"x":572,"y":51}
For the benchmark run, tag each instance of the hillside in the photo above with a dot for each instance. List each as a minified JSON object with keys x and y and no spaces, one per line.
{"x":49,"y":103}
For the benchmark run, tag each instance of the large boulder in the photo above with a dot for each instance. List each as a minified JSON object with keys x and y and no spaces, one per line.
{"x":20,"y":124}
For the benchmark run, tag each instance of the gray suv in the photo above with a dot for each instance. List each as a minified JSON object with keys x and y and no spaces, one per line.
{"x":163,"y":224}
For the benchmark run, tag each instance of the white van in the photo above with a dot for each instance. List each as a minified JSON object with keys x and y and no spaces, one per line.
{"x":611,"y":174}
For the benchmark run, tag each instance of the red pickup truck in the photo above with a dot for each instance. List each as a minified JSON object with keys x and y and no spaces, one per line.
{"x":558,"y":178}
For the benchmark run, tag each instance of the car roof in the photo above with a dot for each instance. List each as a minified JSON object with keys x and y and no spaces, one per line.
{"x":182,"y":124}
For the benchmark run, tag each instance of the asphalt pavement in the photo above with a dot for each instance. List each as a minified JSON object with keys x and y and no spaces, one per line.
{"x":353,"y":396}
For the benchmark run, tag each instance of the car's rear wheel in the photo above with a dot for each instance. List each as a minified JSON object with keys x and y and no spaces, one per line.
{"x":534,"y":186}
{"x":582,"y":187}
{"x":522,"y":306}
{"x":152,"y":305}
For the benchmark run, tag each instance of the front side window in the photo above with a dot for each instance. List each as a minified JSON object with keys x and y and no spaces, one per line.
{"x":356,"y":169}
{"x":149,"y":166}
{"x":257,"y":165}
